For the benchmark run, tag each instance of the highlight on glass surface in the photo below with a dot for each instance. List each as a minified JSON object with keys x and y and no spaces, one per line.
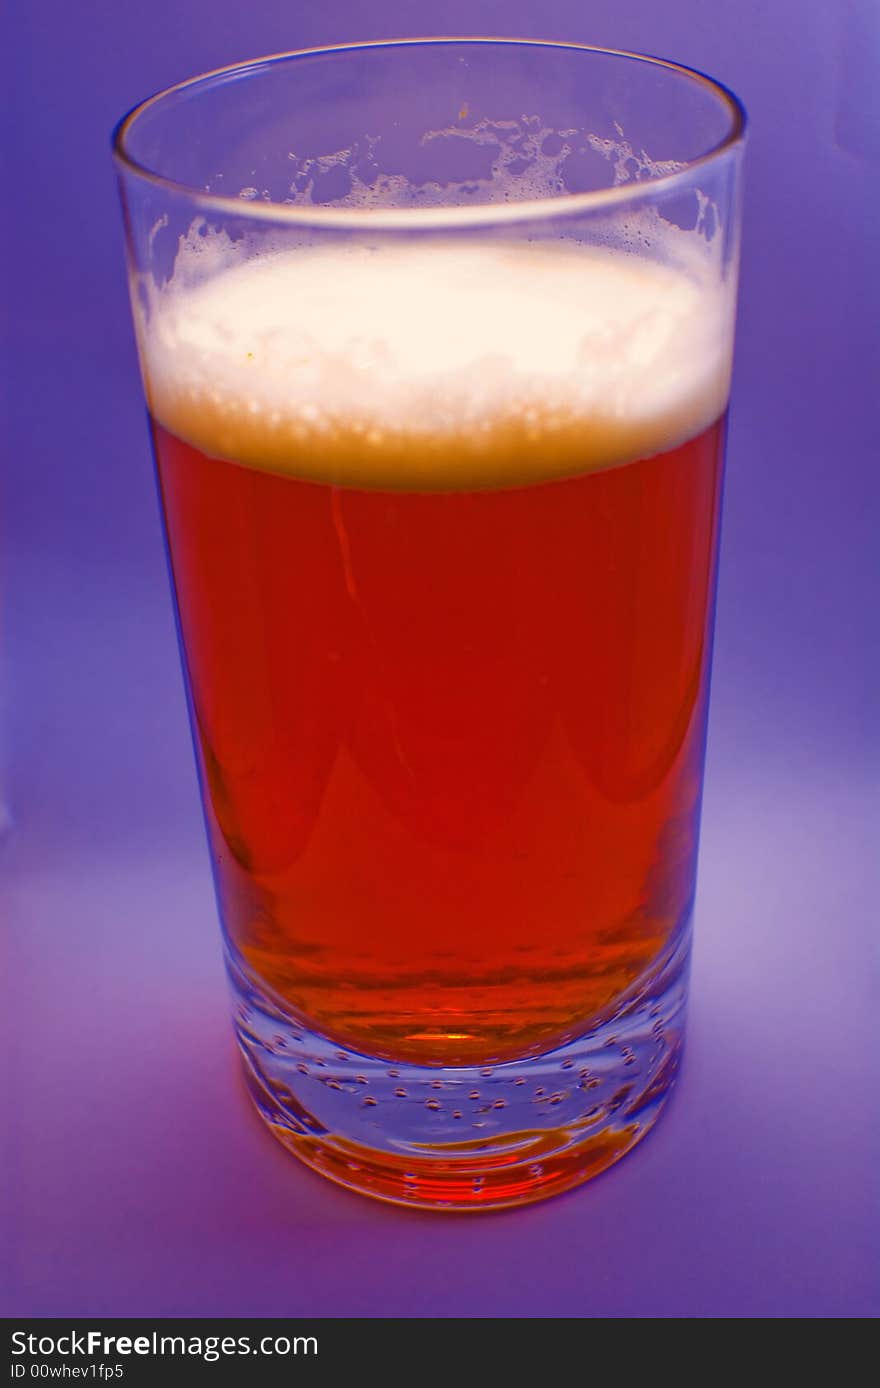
{"x":436,"y":341}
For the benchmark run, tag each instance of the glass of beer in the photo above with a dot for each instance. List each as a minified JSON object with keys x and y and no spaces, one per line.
{"x":436,"y":342}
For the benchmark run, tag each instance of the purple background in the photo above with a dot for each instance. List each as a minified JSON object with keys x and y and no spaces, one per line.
{"x":140,"y":1182}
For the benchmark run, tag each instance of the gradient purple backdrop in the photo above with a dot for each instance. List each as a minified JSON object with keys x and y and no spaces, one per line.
{"x":137,"y":1180}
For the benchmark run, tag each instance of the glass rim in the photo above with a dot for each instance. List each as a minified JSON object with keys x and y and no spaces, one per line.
{"x":473,"y":215}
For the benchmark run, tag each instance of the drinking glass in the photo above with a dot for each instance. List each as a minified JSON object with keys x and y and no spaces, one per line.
{"x":436,"y":340}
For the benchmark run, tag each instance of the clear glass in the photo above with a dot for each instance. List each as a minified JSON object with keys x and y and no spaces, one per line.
{"x":436,"y":341}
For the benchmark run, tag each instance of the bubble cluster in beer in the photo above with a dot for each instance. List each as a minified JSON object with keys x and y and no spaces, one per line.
{"x":437,"y":364}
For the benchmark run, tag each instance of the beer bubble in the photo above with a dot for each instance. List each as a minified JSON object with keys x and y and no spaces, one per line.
{"x":435,"y":364}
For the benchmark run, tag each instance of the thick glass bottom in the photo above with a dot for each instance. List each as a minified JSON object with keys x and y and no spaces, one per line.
{"x":470,"y":1137}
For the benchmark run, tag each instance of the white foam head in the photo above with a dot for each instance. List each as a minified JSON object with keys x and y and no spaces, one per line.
{"x":437,"y":364}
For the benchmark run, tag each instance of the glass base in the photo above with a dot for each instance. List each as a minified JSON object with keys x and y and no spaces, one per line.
{"x":470,"y":1137}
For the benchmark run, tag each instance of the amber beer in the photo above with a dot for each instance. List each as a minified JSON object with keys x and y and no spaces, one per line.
{"x":442,"y":527}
